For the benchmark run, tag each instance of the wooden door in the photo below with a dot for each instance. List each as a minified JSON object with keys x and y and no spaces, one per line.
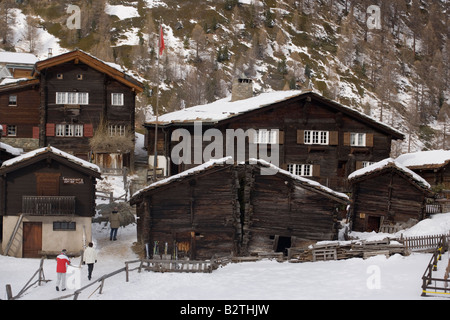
{"x":32,"y":239}
{"x":47,"y":184}
{"x":373,"y":224}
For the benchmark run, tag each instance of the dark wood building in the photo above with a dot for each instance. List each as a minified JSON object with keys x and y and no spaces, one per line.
{"x":433,"y":166}
{"x":221,"y":209}
{"x":48,"y":197}
{"x":317,"y":138}
{"x":387,"y":194}
{"x":76,"y":103}
{"x":19,"y":114}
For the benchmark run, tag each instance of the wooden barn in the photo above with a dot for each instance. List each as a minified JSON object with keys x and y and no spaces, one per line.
{"x":433,"y":166}
{"x":220,"y":208}
{"x":47,"y":201}
{"x":318,"y":138}
{"x":386,"y":195}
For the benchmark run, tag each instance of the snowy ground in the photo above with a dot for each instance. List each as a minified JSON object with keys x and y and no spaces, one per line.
{"x":396,"y":278}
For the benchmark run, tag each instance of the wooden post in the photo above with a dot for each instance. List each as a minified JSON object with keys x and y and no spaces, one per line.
{"x":9,"y":294}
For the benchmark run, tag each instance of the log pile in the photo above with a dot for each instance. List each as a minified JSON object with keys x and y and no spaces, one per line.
{"x":346,"y":250}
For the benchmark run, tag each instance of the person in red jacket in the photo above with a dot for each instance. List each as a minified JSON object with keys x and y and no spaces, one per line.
{"x":62,"y":261}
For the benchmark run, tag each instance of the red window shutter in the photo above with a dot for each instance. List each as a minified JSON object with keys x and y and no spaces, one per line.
{"x":50,"y":129}
{"x":35,"y":132}
{"x":5,"y":130}
{"x":88,"y":130}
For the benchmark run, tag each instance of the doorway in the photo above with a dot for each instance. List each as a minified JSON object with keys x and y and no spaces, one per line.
{"x":373,"y":224}
{"x":32,"y":239}
{"x":282,"y":244}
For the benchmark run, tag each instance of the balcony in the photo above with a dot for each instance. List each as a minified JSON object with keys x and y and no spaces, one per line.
{"x":48,"y":206}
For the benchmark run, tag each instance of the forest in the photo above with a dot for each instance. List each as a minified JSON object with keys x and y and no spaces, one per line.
{"x":397,"y":73}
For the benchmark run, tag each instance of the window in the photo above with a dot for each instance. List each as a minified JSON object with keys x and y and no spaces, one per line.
{"x":303,"y":170}
{"x":60,"y":76}
{"x":69,"y":130}
{"x":317,"y":137}
{"x":358,"y":139}
{"x":72,"y":98}
{"x":365,"y":164}
{"x":64,"y":226}
{"x":13,"y":100}
{"x":117,"y":99}
{"x":266,"y":137}
{"x":117,"y":130}
{"x":12,"y":131}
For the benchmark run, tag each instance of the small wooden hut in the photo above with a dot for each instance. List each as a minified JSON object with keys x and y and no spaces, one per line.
{"x":47,"y":201}
{"x":387,"y":194}
{"x":220,"y":209}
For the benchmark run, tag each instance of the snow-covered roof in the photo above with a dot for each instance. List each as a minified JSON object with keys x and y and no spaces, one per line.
{"x":229,"y":160}
{"x":304,"y":181}
{"x":225,"y":108}
{"x":18,"y":58}
{"x":379,"y":166}
{"x":55,"y":151}
{"x":11,"y":150}
{"x":425,"y":159}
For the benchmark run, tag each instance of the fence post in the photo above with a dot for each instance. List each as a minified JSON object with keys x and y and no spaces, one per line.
{"x":9,"y":294}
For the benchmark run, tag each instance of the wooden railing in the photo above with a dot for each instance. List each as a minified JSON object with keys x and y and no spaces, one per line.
{"x":48,"y":206}
{"x":441,"y":286}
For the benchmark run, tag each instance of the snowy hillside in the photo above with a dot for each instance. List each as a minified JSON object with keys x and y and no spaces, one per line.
{"x":327,"y":46}
{"x":397,"y":278}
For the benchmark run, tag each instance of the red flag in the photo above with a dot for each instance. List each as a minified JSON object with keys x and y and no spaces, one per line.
{"x":162,"y":46}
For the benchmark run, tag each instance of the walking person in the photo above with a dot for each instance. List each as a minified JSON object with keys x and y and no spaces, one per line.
{"x":114,"y":222}
{"x":90,"y":258}
{"x":62,"y":261}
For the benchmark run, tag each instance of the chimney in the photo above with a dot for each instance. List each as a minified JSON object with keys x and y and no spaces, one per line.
{"x":242,"y":89}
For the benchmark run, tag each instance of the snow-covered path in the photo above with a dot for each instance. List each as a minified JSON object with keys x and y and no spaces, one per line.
{"x":396,"y":278}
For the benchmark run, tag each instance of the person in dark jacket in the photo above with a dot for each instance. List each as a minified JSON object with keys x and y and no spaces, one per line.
{"x":114,"y":222}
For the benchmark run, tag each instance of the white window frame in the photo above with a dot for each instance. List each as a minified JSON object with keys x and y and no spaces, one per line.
{"x":358,"y":139}
{"x":117,"y":130}
{"x":117,"y":99}
{"x":265,"y":136}
{"x":12,"y":102}
{"x":302,"y":170}
{"x":70,"y":130}
{"x":366,"y":164}
{"x":314,"y":137}
{"x":72,"y":98}
{"x":11,"y":131}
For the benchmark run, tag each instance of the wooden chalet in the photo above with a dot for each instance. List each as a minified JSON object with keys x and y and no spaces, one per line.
{"x":433,"y":166}
{"x":76,"y":103}
{"x":19,"y":113}
{"x":386,"y":195}
{"x":318,"y":138}
{"x":223,"y":209}
{"x":16,"y":65}
{"x":47,"y":201}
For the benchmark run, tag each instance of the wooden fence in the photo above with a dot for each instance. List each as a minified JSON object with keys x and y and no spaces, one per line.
{"x":424,"y":243}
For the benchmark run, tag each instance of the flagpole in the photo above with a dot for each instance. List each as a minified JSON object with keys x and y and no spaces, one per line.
{"x":155,"y":159}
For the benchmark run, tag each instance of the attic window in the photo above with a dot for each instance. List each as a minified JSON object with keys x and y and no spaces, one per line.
{"x":79,"y":77}
{"x":60,"y":76}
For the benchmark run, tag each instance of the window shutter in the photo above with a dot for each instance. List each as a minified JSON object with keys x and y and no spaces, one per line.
{"x":5,"y":130}
{"x":334,"y":138}
{"x":35,"y":132}
{"x":369,"y":139}
{"x":50,"y":129}
{"x":300,"y":136}
{"x":281,"y":138}
{"x":316,"y":170}
{"x":346,"y":139}
{"x":359,"y":165}
{"x":88,"y":130}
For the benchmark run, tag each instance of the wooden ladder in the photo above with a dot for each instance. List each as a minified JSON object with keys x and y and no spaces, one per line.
{"x":13,"y":235}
